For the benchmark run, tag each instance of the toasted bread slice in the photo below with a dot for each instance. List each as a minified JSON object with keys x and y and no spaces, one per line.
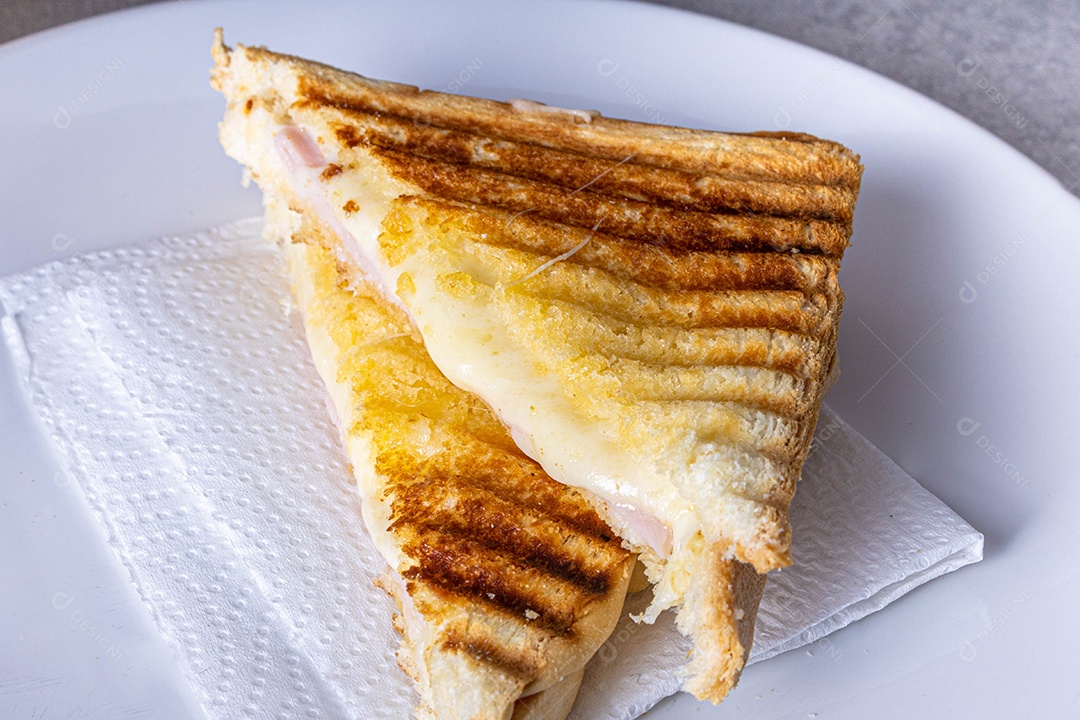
{"x":651,"y":310}
{"x":506,"y":581}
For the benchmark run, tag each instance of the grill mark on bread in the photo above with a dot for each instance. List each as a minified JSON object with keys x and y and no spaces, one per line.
{"x":515,"y":270}
{"x":501,"y":506}
{"x":766,"y":347}
{"x":648,"y":223}
{"x":793,"y":157}
{"x":465,"y":568}
{"x":622,"y":334}
{"x":595,"y":292}
{"x":520,"y":665}
{"x":653,"y":265}
{"x":476,"y":466}
{"x":532,"y":552}
{"x":573,"y":170}
{"x":545,"y":542}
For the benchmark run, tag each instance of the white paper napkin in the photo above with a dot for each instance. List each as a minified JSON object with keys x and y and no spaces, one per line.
{"x":177,"y":384}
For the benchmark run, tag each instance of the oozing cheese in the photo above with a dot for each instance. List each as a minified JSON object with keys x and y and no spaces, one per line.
{"x":471,"y":346}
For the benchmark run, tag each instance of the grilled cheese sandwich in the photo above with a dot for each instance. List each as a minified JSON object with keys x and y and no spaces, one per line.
{"x":651,"y":311}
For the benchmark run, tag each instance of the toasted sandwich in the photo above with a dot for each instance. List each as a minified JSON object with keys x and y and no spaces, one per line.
{"x":506,"y":581}
{"x":651,"y":311}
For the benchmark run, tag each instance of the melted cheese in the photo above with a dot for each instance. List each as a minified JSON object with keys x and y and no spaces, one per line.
{"x":471,"y":346}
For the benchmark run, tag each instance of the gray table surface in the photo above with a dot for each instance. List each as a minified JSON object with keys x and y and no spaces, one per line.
{"x":1012,"y":66}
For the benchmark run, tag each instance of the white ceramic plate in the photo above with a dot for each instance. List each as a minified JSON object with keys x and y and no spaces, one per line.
{"x":958,"y":341}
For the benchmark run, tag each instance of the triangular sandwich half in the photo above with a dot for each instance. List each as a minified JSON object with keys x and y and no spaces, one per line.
{"x":652,"y":311}
{"x":506,"y":581}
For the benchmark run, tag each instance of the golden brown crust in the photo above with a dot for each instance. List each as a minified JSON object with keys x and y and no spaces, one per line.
{"x":511,"y":573}
{"x":682,"y":230}
{"x":796,"y":158}
{"x":573,"y":170}
{"x":691,"y":276}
